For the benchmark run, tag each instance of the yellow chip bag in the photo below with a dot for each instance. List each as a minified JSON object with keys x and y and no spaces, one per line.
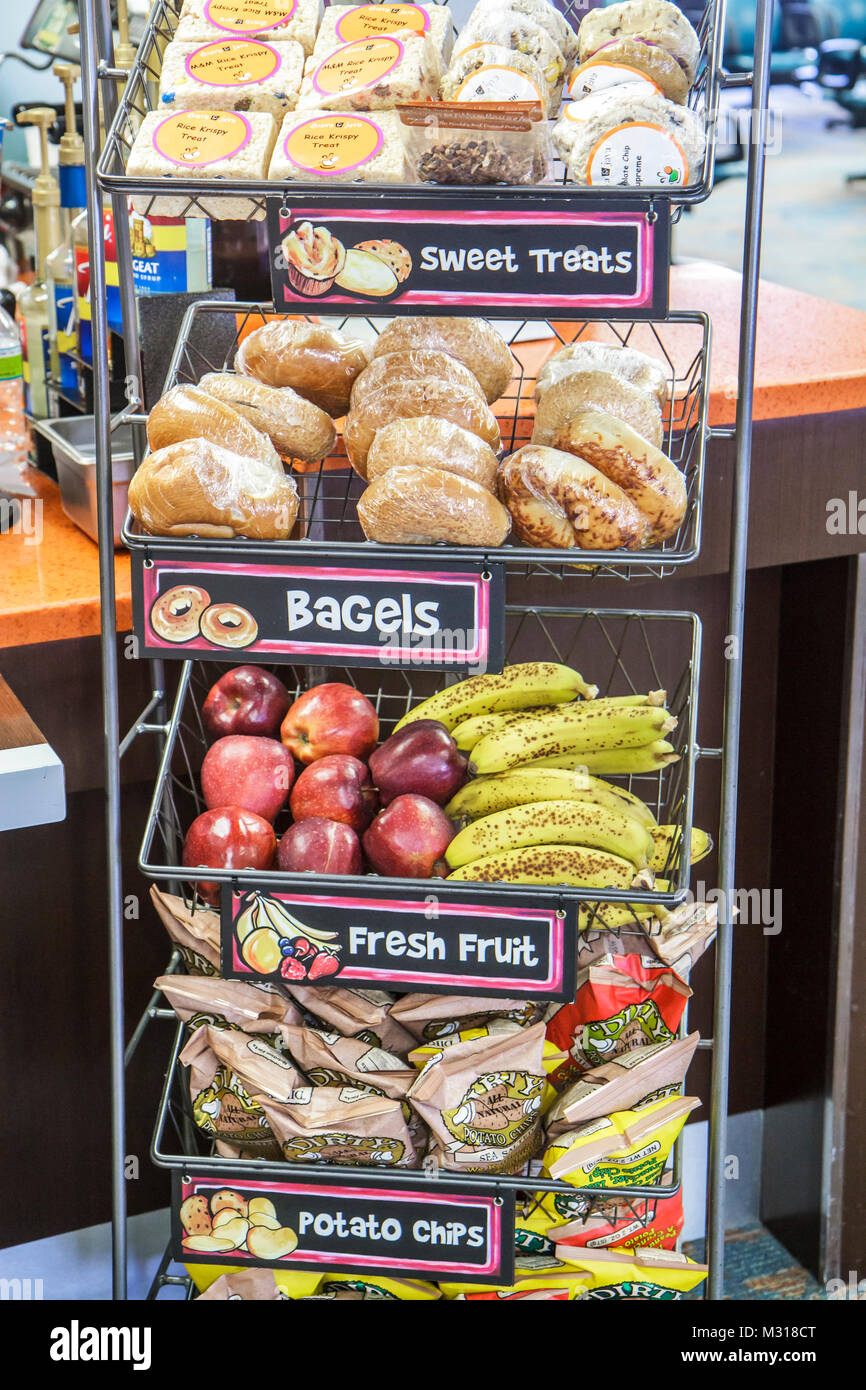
{"x":644,"y":1274}
{"x":353,"y":1286}
{"x":532,"y":1222}
{"x":543,"y":1275}
{"x":626,"y":1149}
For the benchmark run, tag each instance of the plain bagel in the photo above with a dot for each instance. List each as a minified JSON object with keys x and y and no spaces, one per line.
{"x":319,"y":363}
{"x":417,"y":364}
{"x":423,"y":506}
{"x":432,"y":443}
{"x":296,"y":428}
{"x":598,"y":391}
{"x":403,"y":399}
{"x":186,"y":412}
{"x":472,"y":341}
{"x":586,"y":355}
{"x":654,"y":21}
{"x":558,"y":501}
{"x":644,"y":473}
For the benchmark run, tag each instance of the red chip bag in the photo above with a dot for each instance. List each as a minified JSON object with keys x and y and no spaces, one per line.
{"x":628,"y":1224}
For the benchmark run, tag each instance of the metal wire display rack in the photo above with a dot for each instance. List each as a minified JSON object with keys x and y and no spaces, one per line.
{"x":190,"y":200}
{"x":327,"y":522}
{"x":99,"y":79}
{"x":627,"y":653}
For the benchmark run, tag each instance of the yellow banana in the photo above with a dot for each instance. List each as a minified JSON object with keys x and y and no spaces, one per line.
{"x":484,"y":795}
{"x":611,"y":762}
{"x":470,"y":731}
{"x":571,"y":865}
{"x":666,"y":841}
{"x":552,"y":823}
{"x":576,"y":730}
{"x":523,"y":686}
{"x":654,"y":697}
{"x":613,"y":916}
{"x":285,"y":925}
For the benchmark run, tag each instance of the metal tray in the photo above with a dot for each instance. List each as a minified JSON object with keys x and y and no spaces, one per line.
{"x":622,"y":652}
{"x":140,"y":97}
{"x":328,"y":527}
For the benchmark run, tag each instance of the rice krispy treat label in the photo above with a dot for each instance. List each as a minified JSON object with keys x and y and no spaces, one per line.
{"x":597,"y":77}
{"x":197,"y":138}
{"x":333,"y":144}
{"x":498,"y":83}
{"x":358,"y":65}
{"x":637,"y":154}
{"x":366,"y":21}
{"x":248,"y":16}
{"x":233,"y":63}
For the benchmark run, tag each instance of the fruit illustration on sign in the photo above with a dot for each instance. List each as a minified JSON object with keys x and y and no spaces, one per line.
{"x":271,"y":939}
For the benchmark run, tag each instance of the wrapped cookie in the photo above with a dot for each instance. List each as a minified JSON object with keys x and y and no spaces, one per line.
{"x":627,"y":60}
{"x":509,"y":28}
{"x":256,"y":1009}
{"x":482,"y":1101}
{"x":656,"y":23}
{"x":194,"y":931}
{"x":628,"y":137}
{"x":546,"y":15}
{"x":339,"y":147}
{"x":433,"y":1017}
{"x":371,"y":75}
{"x":264,"y":19}
{"x":489,"y":72}
{"x":231,"y":75}
{"x":347,"y":23}
{"x":340,"y":1124}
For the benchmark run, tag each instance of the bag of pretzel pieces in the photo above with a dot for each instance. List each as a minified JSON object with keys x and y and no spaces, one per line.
{"x":195,"y":933}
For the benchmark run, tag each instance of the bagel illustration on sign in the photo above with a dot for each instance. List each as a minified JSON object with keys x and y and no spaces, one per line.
{"x":176,"y":614}
{"x":228,"y":625}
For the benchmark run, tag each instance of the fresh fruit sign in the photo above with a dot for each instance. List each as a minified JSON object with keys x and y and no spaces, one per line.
{"x":405,"y":614}
{"x":419,"y":1230}
{"x":447,"y":946}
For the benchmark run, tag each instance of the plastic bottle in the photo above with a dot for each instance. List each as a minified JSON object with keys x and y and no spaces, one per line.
{"x":60,"y":264}
{"x":34,"y":302}
{"x":14,"y":435}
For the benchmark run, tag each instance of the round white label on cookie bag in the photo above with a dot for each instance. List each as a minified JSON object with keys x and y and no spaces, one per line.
{"x":597,"y":77}
{"x":637,"y":155}
{"x":496,"y":83}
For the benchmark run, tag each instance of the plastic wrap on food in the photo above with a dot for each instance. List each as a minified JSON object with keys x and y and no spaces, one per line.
{"x":319,"y":363}
{"x":477,"y":143}
{"x":296,"y":428}
{"x":559,"y":502}
{"x":586,"y":355}
{"x":202,"y":146}
{"x":197,"y":488}
{"x":347,"y":23}
{"x":231,"y":75}
{"x":473,"y":341}
{"x":545,"y":14}
{"x":630,"y":60}
{"x":412,"y":365}
{"x":509,"y":28}
{"x":340,"y":147}
{"x":371,"y":75}
{"x":186,"y":412}
{"x":266,"y":19}
{"x":598,"y":391}
{"x":653,"y":21}
{"x":645,"y":474}
{"x":410,"y":505}
{"x":629,"y":137}
{"x":403,"y":399}
{"x":489,"y":72}
{"x":429,"y":442}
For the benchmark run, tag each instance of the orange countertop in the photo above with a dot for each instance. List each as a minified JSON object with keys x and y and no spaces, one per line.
{"x":49,"y":591}
{"x":810,"y":360}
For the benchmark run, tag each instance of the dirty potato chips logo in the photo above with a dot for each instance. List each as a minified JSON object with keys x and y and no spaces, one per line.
{"x":497,"y":1112}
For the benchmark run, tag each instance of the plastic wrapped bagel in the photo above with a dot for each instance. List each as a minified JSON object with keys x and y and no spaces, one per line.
{"x":408,"y":365}
{"x":412,"y":505}
{"x":473,"y":341}
{"x":403,"y":399}
{"x":558,"y":501}
{"x":296,"y":428}
{"x":587,"y":355}
{"x":432,"y":443}
{"x":198,"y":488}
{"x":320,"y":363}
{"x":598,"y":391}
{"x":186,"y":412}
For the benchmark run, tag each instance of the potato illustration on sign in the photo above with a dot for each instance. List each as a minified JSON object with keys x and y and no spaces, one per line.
{"x":229,"y":1222}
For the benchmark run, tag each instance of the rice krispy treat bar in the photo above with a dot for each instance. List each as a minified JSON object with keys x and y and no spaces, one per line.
{"x":343,"y":23}
{"x":232,"y":75}
{"x":371,"y":75}
{"x":203,"y":20}
{"x":339,"y":147}
{"x":205,"y":146}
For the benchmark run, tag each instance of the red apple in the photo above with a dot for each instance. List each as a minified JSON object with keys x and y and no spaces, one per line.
{"x":337,"y":787}
{"x":409,"y":838}
{"x":255,"y":773}
{"x":330,"y":718}
{"x":246,"y":700}
{"x":321,"y":846}
{"x":421,"y":758}
{"x":228,"y":837}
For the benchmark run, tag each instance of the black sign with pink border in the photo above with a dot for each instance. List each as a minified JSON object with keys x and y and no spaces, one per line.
{"x":432,"y":1230}
{"x":366,"y":937}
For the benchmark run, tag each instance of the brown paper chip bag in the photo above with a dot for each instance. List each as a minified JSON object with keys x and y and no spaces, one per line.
{"x":267,"y":1150}
{"x":227,"y":1004}
{"x":684,"y":934}
{"x":482,"y":1101}
{"x":257,"y":1285}
{"x":429,"y":1016}
{"x":619,"y":1084}
{"x":195,"y":934}
{"x":329,"y":1059}
{"x":221,"y":1105}
{"x":356,"y":1013}
{"x":258,"y":1066}
{"x":331,"y":1124}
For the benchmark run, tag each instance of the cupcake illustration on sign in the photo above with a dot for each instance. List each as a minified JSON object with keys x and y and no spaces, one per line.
{"x":316,"y":261}
{"x":314,"y":258}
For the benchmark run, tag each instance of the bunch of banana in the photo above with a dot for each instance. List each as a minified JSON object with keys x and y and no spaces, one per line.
{"x":522,"y":785}
{"x":573,"y":865}
{"x":528,"y":685}
{"x":590,"y":727}
{"x":667,"y":840}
